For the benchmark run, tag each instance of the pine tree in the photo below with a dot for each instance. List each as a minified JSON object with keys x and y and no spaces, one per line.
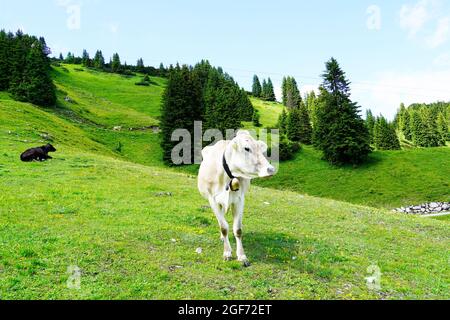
{"x":180,"y":108}
{"x":385,"y":137}
{"x":305,"y":125}
{"x":70,"y":58}
{"x":85,"y":60}
{"x":270,"y":91}
{"x":340,"y":131}
{"x":370,"y":124}
{"x":290,"y":93}
{"x":311,"y":104}
{"x":264,"y":91}
{"x":116,"y":66}
{"x":442,"y":128}
{"x":36,"y":85}
{"x":282,"y":122}
{"x":404,"y":120}
{"x":99,"y":60}
{"x":61,"y":58}
{"x":284,"y":89}
{"x":5,"y":63}
{"x":293,"y":125}
{"x":140,"y":67}
{"x":256,"y":88}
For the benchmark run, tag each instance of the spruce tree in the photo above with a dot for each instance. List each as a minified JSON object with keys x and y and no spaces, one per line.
{"x":115,"y":64}
{"x":291,"y":93}
{"x":99,"y":60}
{"x":305,"y":125}
{"x":370,"y":124}
{"x":256,"y":88}
{"x":340,"y":131}
{"x":36,"y":85}
{"x":270,"y":91}
{"x":140,"y":67}
{"x":442,"y":128}
{"x":293,"y":127}
{"x":284,"y":89}
{"x":282,"y":122}
{"x":61,"y":58}
{"x":311,"y":104}
{"x":5,"y":63}
{"x":85,"y":60}
{"x":180,"y":107}
{"x":385,"y":137}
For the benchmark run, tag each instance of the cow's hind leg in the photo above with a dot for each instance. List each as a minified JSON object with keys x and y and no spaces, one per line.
{"x":238,"y":211}
{"x":223,"y":224}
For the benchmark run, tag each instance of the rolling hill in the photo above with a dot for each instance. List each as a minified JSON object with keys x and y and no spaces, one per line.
{"x":133,"y":226}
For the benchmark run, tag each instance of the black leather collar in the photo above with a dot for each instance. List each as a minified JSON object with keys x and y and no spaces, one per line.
{"x":229,"y":174}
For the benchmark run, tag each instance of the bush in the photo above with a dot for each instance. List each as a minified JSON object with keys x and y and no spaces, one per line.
{"x":288,"y":149}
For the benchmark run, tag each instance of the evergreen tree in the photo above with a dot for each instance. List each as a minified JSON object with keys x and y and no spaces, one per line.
{"x":442,"y":128}
{"x":385,"y":137}
{"x":264,"y":91}
{"x":311,"y":104}
{"x":5,"y":63}
{"x":256,"y":88}
{"x":294,"y":132}
{"x":290,"y":93}
{"x":85,"y":60}
{"x":140,"y":67}
{"x":418,"y":129}
{"x":99,"y":60}
{"x":284,"y":89}
{"x":370,"y":124}
{"x":305,"y":125}
{"x":36,"y":85}
{"x":282,"y":122}
{"x":256,"y":117}
{"x":404,"y":120}
{"x":340,"y":131}
{"x":61,"y":58}
{"x":116,"y":66}
{"x":70,"y":58}
{"x":270,"y":91}
{"x":180,"y":107}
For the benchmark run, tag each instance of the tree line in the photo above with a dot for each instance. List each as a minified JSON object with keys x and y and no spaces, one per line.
{"x":201,"y":93}
{"x":264,"y":91}
{"x":25,"y":68}
{"x":114,"y":65}
{"x":331,"y":122}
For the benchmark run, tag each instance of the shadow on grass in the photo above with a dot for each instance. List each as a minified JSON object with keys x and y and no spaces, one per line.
{"x":270,"y":247}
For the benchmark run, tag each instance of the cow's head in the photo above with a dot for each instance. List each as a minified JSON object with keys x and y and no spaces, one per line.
{"x":50,"y":148}
{"x":246,"y":157}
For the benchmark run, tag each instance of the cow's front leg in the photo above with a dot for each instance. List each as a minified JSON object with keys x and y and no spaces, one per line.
{"x":238,"y":211}
{"x":223,"y":224}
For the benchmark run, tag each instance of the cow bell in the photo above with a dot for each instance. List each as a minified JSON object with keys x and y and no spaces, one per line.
{"x":235,"y":184}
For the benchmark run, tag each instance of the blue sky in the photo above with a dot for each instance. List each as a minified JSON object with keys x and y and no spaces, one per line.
{"x":392,"y":51}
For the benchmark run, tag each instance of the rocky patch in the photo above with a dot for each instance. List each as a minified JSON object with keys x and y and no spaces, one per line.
{"x":426,"y":208}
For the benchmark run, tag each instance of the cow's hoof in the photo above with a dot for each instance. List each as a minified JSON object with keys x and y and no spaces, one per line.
{"x":246,"y":263}
{"x":227,"y":257}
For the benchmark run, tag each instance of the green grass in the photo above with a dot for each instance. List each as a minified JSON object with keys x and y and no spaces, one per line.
{"x":105,"y":210}
{"x":106,"y":216}
{"x":108,"y":99}
{"x":269,"y":112}
{"x":390,"y":179}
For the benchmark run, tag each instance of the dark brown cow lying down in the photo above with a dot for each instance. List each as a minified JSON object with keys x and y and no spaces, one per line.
{"x":39,"y":153}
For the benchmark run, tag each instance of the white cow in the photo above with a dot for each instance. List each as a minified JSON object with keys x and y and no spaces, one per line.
{"x":224,"y":178}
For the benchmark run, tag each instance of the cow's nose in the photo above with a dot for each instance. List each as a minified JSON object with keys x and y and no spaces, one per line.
{"x":271,"y":170}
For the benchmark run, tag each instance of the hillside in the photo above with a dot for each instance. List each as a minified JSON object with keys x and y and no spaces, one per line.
{"x":108,"y":217}
{"x":104,"y":207}
{"x":389,"y":180}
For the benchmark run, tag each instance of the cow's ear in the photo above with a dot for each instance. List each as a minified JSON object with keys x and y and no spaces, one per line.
{"x":262,"y":146}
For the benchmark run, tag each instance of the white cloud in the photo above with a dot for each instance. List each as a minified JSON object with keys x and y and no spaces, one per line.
{"x":441,"y":34}
{"x":385,"y":94}
{"x":414,"y":17}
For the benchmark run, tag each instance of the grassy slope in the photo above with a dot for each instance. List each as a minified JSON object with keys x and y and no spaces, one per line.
{"x":390,"y":179}
{"x":104,"y":216}
{"x":89,"y":208}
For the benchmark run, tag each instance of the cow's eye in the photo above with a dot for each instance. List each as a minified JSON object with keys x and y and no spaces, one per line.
{"x":247,"y":149}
